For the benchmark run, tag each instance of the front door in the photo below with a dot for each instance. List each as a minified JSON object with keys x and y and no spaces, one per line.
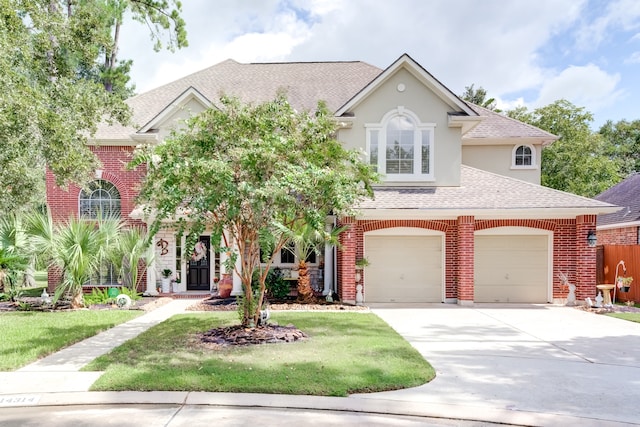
{"x":198,"y":273}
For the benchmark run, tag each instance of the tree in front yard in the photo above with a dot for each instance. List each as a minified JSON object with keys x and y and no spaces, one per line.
{"x":242,"y":171}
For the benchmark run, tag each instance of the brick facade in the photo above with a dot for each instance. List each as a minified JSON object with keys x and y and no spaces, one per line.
{"x":619,"y":236}
{"x":571,"y":254}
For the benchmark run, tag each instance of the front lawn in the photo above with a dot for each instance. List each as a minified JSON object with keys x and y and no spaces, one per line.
{"x":345,"y":353}
{"x":632,"y":317}
{"x":28,"y":336}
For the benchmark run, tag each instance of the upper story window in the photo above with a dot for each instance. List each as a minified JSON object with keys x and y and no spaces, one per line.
{"x":524,"y":157}
{"x":99,"y":198}
{"x":401,"y":147}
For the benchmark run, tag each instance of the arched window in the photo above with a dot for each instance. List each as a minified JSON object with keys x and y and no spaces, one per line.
{"x":401,"y":147}
{"x":524,"y":157}
{"x":99,"y":198}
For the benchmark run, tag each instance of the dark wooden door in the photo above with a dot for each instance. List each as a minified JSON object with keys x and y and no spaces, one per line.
{"x":199,"y":271}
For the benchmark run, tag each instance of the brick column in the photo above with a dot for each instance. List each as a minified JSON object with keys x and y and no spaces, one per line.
{"x":585,"y":258}
{"x":466,"y":228}
{"x":347,"y":261}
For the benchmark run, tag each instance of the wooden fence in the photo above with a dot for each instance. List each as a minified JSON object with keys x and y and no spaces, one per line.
{"x":608,"y":258}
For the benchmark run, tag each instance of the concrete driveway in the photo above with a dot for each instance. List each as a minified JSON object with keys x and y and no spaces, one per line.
{"x":539,"y":358}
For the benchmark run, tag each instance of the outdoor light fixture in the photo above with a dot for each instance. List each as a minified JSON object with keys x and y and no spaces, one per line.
{"x":592,"y":239}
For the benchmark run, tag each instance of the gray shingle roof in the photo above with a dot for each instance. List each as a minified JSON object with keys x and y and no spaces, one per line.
{"x":627,"y":194}
{"x":498,"y":126}
{"x":479,"y":190}
{"x":304,"y":82}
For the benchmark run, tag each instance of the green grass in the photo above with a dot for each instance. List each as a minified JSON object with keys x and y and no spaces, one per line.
{"x":346,"y":353}
{"x":28,"y":336}
{"x":632,"y":317}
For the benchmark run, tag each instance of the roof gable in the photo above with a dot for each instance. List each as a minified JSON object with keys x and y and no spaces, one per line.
{"x":180,"y":102}
{"x":408,"y":63}
{"x":497,"y":127}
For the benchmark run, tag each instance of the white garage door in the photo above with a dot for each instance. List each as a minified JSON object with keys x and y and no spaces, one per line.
{"x":403,"y":269}
{"x":511,"y":269}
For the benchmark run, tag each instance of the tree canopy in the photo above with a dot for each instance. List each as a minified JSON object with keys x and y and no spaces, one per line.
{"x":479,"y":97}
{"x":52,"y":86}
{"x":623,"y":144}
{"x":243,"y":170}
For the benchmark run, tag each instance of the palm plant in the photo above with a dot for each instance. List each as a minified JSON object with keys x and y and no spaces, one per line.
{"x":77,"y":247}
{"x":307,"y":239}
{"x":131,"y":253}
{"x":14,"y":254}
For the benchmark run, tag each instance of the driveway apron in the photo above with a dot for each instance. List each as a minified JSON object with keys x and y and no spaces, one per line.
{"x":539,"y":358}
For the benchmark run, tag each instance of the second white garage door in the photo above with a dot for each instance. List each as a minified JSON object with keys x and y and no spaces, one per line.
{"x":403,"y":269}
{"x":511,"y":268}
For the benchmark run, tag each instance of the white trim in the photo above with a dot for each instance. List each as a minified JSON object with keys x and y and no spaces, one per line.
{"x":618,"y":225}
{"x":534,"y":160}
{"x":527,"y":231}
{"x":404,"y":231}
{"x":175,"y":105}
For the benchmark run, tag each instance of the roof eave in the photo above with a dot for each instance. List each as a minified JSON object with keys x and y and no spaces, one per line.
{"x":483,"y":214}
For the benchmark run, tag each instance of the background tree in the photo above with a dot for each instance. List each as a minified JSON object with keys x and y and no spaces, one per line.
{"x":577,"y":162}
{"x":623,"y":139}
{"x":242,"y":171}
{"x":479,"y":97}
{"x":52,"y":86}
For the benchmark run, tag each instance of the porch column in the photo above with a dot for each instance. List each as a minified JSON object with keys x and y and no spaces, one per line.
{"x":347,"y":261}
{"x":237,"y":280}
{"x":585,"y":258}
{"x":466,"y":228}
{"x":151,"y":271}
{"x":328,"y":260}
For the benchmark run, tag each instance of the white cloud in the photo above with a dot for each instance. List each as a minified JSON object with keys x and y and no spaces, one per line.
{"x":634,"y":58}
{"x":619,"y":15}
{"x":587,"y":86}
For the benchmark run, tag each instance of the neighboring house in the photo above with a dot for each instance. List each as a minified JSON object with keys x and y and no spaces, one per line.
{"x":460,"y":216}
{"x":622,"y":227}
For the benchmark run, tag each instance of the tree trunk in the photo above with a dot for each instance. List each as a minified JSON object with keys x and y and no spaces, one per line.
{"x":305,"y":293}
{"x":77,"y":301}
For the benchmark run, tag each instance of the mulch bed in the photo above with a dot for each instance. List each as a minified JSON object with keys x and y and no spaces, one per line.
{"x":145,"y":304}
{"x":229,"y":304}
{"x":238,"y":335}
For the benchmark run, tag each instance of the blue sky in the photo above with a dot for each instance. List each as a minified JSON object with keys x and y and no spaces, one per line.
{"x":523,"y":52}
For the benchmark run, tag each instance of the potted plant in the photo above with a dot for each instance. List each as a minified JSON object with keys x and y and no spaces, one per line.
{"x":624,"y":283}
{"x":166,"y":280}
{"x":360,"y":265}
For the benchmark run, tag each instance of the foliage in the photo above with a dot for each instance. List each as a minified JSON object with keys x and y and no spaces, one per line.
{"x":53,"y":85}
{"x":243,"y":170}
{"x":98,"y":296}
{"x":623,"y":144}
{"x":78,"y":247}
{"x":479,"y":97}
{"x":577,"y":162}
{"x":29,"y":336}
{"x":14,"y":256}
{"x":132,"y":249}
{"x":346,"y":353}
{"x":277,"y":287}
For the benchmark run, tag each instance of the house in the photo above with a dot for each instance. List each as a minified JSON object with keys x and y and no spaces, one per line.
{"x":621,"y":227}
{"x":460,"y":216}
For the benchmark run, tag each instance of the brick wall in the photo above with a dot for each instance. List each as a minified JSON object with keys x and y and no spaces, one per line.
{"x":619,"y":236}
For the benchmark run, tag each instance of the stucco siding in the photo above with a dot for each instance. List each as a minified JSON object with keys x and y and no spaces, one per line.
{"x":499,"y":159}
